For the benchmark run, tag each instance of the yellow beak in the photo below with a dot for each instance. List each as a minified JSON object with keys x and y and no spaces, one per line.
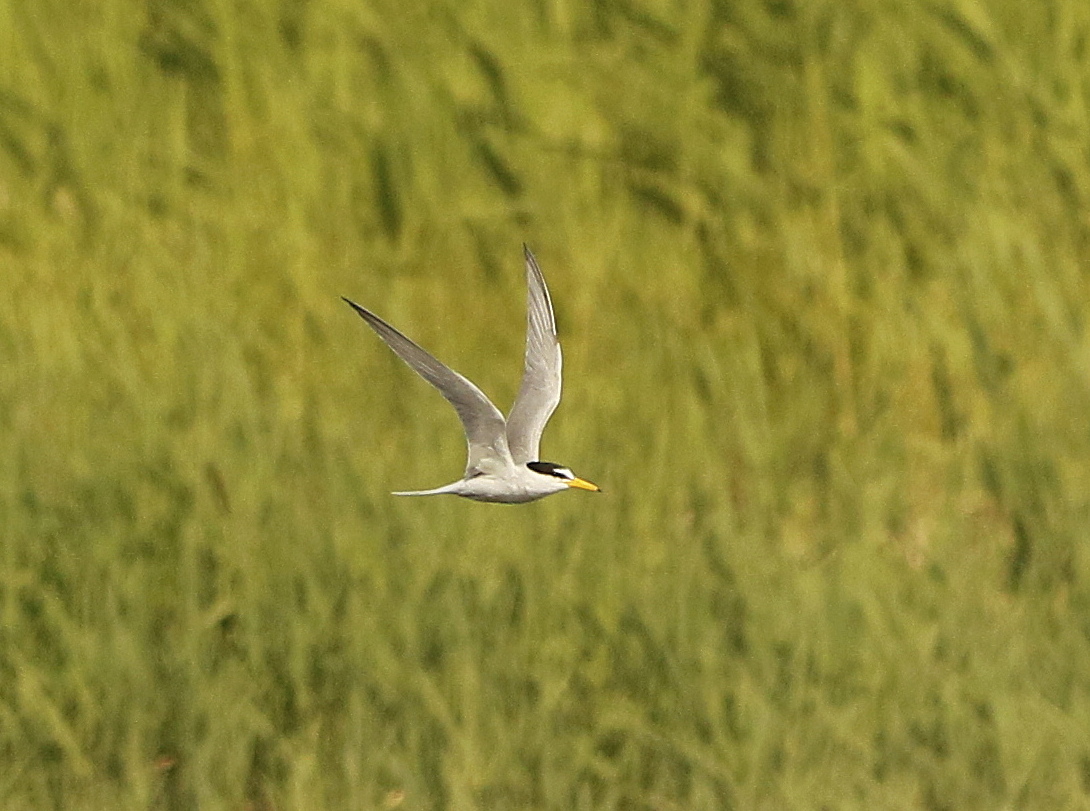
{"x":582,"y":484}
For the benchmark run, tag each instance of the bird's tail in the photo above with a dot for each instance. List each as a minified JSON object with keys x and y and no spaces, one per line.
{"x":453,"y":489}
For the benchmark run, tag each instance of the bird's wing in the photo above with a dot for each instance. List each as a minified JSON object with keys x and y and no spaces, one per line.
{"x":486,"y":431}
{"x":539,"y":393}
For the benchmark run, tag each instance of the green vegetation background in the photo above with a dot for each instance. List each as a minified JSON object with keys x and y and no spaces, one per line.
{"x":822,"y":273}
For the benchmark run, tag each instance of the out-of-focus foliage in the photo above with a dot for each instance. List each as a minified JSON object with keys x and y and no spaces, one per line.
{"x":820,"y":271}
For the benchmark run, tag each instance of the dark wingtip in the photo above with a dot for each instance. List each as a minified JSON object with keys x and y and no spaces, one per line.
{"x":352,"y":304}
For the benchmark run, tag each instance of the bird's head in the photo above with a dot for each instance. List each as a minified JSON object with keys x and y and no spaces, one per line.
{"x":564,"y":474}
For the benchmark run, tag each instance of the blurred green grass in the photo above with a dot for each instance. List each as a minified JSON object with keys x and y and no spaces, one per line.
{"x":820,"y":273}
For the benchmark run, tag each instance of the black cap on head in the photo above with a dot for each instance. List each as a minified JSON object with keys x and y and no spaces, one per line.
{"x":551,"y":469}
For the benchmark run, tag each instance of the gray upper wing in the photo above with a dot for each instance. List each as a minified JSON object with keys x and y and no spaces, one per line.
{"x":539,"y":393}
{"x":485,"y":428}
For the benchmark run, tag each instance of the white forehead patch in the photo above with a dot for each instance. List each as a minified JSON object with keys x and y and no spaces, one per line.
{"x":564,"y":473}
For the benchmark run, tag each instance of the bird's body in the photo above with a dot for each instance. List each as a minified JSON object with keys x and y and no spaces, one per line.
{"x":503,"y":466}
{"x":513,"y":485}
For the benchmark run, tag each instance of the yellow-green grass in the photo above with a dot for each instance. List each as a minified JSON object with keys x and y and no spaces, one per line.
{"x":821,"y":274}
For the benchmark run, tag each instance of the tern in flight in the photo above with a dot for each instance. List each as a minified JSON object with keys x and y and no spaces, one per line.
{"x":503,"y":461}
